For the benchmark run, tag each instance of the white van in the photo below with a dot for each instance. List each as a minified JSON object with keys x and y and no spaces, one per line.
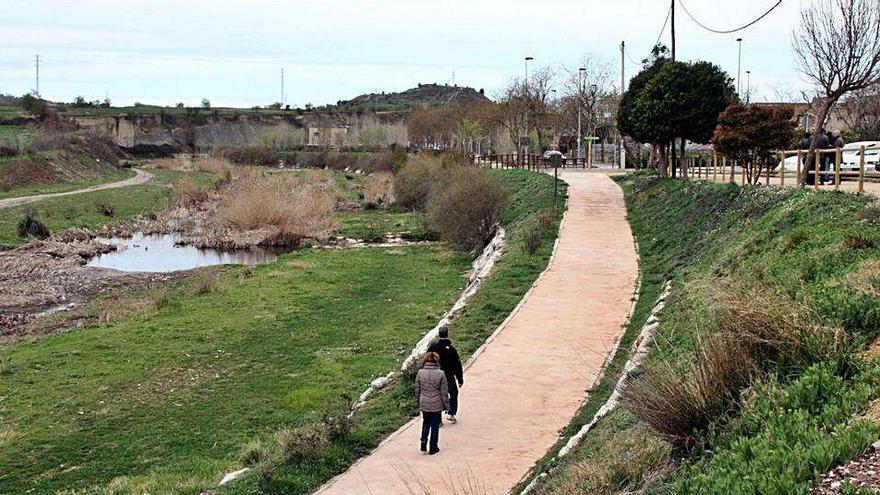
{"x":849,"y":158}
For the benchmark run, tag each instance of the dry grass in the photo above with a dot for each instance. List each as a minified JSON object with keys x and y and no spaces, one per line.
{"x":866,"y":278}
{"x":190,"y":193}
{"x":452,"y":484}
{"x":296,"y":207}
{"x":776,"y":329}
{"x":379,"y":190}
{"x":676,"y":404}
{"x":618,"y":460}
{"x":758,"y":329}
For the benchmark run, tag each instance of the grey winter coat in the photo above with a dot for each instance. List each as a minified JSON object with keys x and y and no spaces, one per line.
{"x":432,"y":390}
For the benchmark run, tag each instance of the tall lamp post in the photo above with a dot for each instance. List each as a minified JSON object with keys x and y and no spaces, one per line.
{"x":581,"y":73}
{"x":748,"y":86}
{"x":739,"y":42}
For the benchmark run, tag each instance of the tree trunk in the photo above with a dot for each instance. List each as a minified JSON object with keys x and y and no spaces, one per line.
{"x":663,"y":164}
{"x":684,"y":167}
{"x":810,"y":160}
{"x":673,"y":159}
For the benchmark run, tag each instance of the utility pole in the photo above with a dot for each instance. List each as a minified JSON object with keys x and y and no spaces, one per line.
{"x":581,"y":90}
{"x":37,"y":60}
{"x":672,"y":15}
{"x":282,"y":87}
{"x":622,"y":84}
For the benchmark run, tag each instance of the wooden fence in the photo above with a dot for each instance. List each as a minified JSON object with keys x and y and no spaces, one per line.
{"x":528,"y":162}
{"x":715,"y":167}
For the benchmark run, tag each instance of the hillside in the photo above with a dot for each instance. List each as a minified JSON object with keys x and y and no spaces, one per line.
{"x":424,"y":95}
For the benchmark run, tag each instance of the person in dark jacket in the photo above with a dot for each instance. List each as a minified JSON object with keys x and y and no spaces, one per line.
{"x":432,"y":394}
{"x":821,"y":144}
{"x":450,"y":363}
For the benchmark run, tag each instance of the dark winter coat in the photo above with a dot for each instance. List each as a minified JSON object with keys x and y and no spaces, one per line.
{"x":449,"y":360}
{"x":432,"y":391}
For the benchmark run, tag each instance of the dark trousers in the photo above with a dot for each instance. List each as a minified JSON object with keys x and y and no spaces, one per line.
{"x":431,"y":424}
{"x":453,"y":397}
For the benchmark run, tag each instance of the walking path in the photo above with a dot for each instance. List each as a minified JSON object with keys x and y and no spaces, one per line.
{"x":530,"y":380}
{"x":140,"y":178}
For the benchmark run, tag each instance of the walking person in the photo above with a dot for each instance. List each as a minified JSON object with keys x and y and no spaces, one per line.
{"x":432,"y":394}
{"x":450,"y":363}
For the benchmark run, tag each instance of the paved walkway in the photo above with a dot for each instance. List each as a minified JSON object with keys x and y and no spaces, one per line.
{"x":140,"y":178}
{"x":529,"y":382}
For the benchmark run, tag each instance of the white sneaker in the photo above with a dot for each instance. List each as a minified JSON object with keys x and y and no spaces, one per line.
{"x":451,"y":418}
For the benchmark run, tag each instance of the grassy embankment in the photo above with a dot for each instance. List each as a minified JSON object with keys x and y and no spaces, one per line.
{"x":756,"y":375}
{"x":166,"y":400}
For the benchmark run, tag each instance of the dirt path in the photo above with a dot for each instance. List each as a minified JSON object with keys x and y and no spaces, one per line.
{"x":530,"y":380}
{"x":140,"y":178}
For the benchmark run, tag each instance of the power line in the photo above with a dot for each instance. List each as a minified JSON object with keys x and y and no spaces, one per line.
{"x":727,"y":31}
{"x":659,"y":37}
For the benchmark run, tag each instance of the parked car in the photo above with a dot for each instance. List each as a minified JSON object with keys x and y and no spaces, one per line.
{"x":551,"y":153}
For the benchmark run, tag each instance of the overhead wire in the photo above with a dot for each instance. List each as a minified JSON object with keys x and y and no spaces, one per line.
{"x":659,"y":37}
{"x":728,"y":31}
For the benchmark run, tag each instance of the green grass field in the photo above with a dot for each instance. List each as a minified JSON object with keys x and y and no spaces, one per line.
{"x":19,"y":135}
{"x":165,"y":401}
{"x":813,"y":254}
{"x":178,"y":389}
{"x":66,"y":186}
{"x":82,"y":210}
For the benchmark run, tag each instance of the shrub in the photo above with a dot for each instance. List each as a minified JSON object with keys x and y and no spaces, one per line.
{"x":787,"y":436}
{"x":303,"y":443}
{"x":255,"y":453}
{"x":337,"y":419}
{"x":465,"y":206}
{"x":8,"y":151}
{"x":532,"y":237}
{"x":105,"y":209}
{"x":413,"y":183}
{"x":296,"y":207}
{"x":246,"y":155}
{"x":679,"y":404}
{"x":379,"y":191}
{"x":31,"y":226}
{"x":189,"y":192}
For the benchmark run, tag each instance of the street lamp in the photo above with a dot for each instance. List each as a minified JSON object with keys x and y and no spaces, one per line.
{"x":581,"y":72}
{"x":748,"y":86}
{"x":739,"y":42}
{"x":527,"y":68}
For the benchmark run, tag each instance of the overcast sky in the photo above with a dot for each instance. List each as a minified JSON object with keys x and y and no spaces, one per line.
{"x":232,"y":51}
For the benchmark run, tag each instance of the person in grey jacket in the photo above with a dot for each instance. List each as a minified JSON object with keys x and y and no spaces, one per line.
{"x":432,"y":393}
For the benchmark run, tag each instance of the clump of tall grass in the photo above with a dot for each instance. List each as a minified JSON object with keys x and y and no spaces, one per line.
{"x":31,"y":226}
{"x":379,"y":191}
{"x":190,"y":193}
{"x":295,"y":207}
{"x":758,"y":331}
{"x":677,"y":403}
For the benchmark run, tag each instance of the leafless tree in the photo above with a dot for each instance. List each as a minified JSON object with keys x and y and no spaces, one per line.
{"x":586,"y":94}
{"x":837,"y":48}
{"x":860,"y":112}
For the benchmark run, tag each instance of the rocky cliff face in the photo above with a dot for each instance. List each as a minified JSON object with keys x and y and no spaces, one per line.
{"x":206,"y":130}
